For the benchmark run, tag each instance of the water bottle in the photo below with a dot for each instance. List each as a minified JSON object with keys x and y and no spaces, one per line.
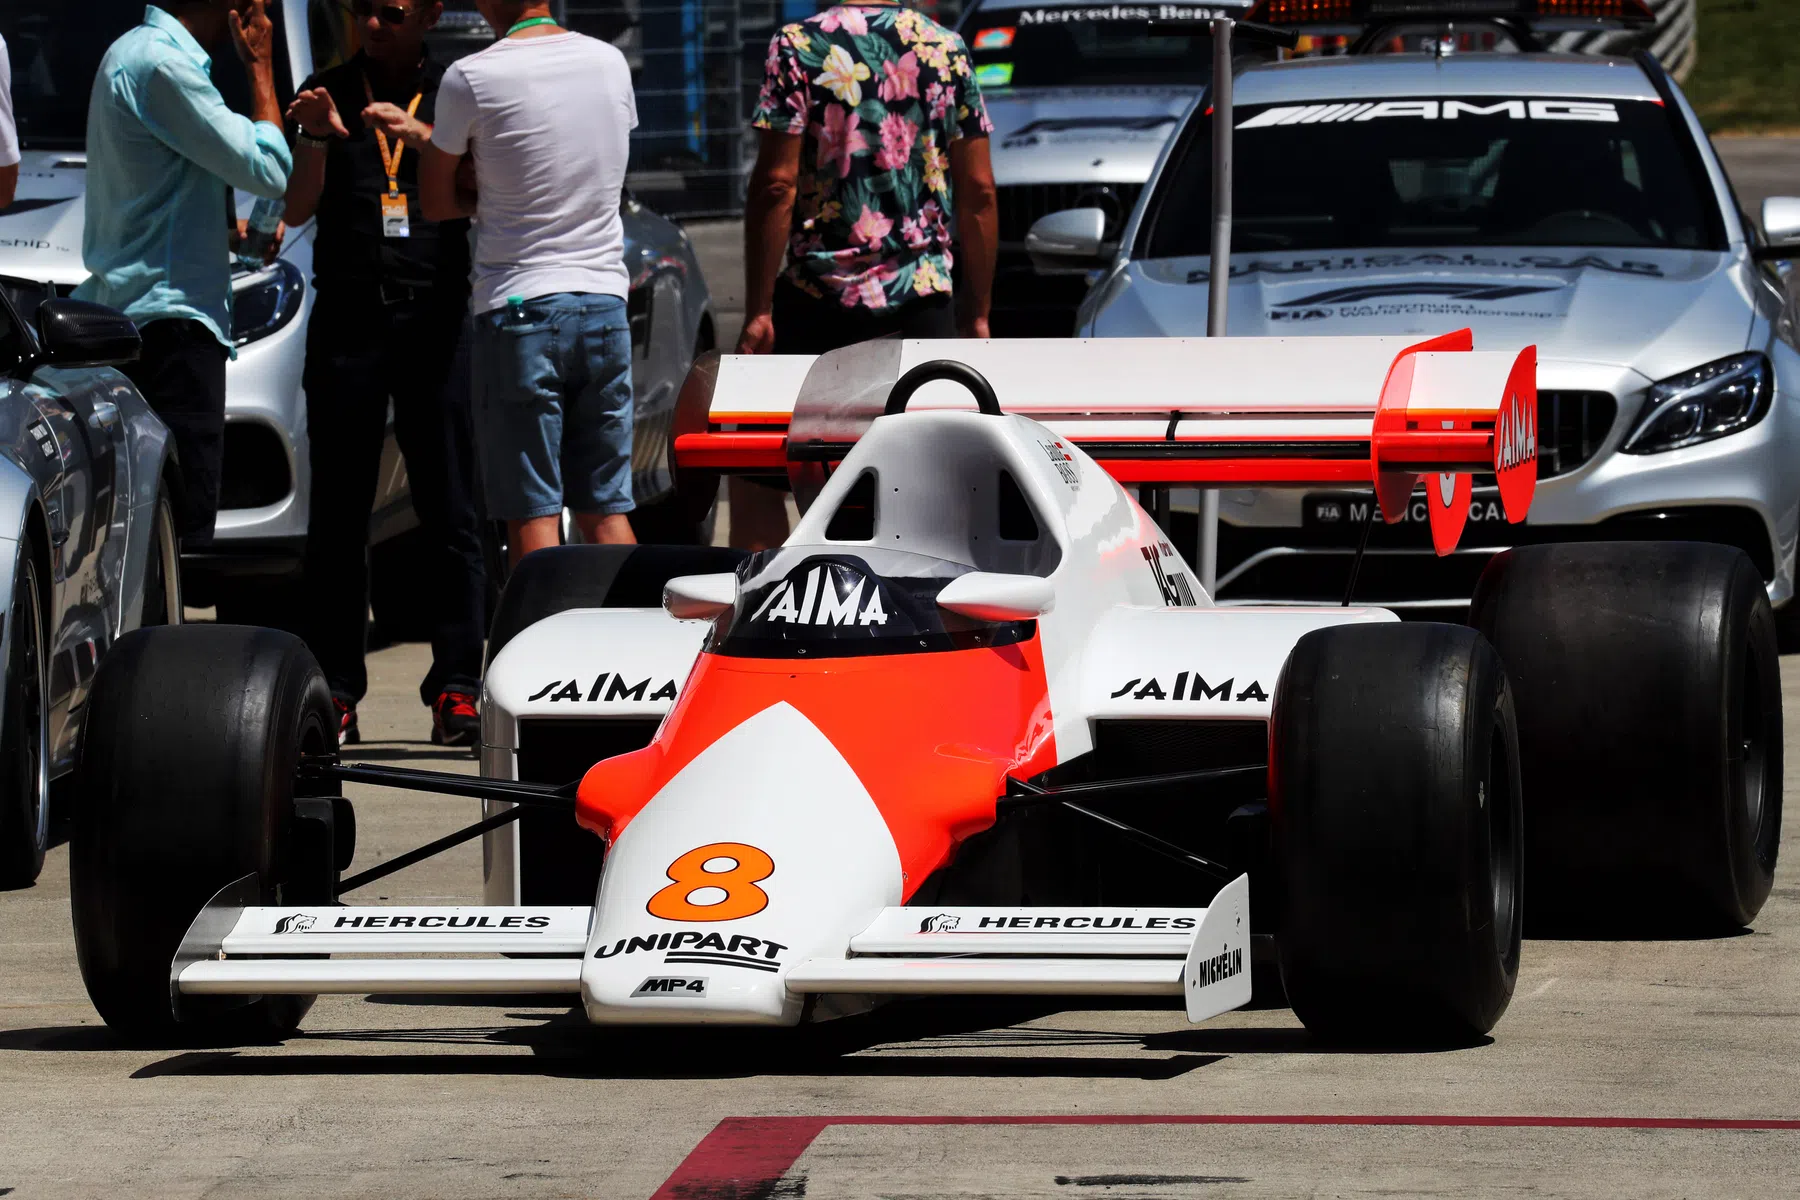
{"x":265,"y":218}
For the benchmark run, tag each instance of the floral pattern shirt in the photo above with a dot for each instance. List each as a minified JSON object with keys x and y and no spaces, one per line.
{"x":879,"y":93}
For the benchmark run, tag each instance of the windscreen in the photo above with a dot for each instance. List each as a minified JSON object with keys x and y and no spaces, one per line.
{"x":1448,"y":171}
{"x":805,"y":602}
{"x":1101,"y":46}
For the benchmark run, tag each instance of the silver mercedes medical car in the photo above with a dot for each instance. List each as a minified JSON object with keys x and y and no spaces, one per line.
{"x":267,"y":480}
{"x":1569,"y":202}
{"x":1083,"y":97}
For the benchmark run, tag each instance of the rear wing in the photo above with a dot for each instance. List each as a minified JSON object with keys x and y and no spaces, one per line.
{"x":1232,"y":412}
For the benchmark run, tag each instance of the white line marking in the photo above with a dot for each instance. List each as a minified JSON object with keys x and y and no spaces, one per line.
{"x":1544,"y":987}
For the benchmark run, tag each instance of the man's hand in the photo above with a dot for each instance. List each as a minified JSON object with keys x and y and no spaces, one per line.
{"x":253,"y":34}
{"x":271,"y":252}
{"x":254,"y":38}
{"x":392,"y":120}
{"x":758,"y":336}
{"x":973,"y":327}
{"x":315,"y":112}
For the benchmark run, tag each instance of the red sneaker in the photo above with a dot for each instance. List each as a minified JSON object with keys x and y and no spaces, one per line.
{"x":455,"y":721}
{"x":348,"y":733}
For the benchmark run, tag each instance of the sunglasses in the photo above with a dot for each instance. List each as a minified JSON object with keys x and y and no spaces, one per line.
{"x":389,"y":14}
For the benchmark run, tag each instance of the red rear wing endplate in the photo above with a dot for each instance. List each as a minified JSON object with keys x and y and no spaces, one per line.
{"x":1235,"y":412}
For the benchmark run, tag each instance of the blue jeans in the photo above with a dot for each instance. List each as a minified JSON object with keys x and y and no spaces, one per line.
{"x":552,"y":409}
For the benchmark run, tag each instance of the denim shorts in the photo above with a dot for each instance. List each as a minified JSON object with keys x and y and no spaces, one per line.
{"x":552,"y":406}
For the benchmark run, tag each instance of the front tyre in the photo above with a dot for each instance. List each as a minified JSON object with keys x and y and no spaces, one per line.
{"x":25,"y":730}
{"x":186,"y":784}
{"x":1397,"y":813}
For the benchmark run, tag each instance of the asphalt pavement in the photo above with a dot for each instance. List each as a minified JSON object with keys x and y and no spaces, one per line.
{"x":1623,"y":1068}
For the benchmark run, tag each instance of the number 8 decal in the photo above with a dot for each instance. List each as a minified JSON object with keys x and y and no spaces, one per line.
{"x":694,"y":876}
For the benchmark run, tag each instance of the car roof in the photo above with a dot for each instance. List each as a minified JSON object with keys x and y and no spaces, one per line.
{"x":1480,"y":74}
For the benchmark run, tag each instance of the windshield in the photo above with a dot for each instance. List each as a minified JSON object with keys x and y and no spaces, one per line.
{"x":56,"y":46}
{"x":1084,"y":47}
{"x":1469,"y":171}
{"x":804,"y":601}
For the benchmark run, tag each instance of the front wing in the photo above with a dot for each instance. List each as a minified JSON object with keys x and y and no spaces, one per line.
{"x":1201,"y":954}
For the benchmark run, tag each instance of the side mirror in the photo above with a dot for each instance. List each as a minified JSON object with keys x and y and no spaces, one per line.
{"x":1781,"y":219}
{"x":1781,"y":230}
{"x":988,"y":596}
{"x":700,"y":597}
{"x":77,"y":333}
{"x":1069,"y":242}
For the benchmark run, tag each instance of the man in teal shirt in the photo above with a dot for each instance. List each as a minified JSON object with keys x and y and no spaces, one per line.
{"x":162,"y":150}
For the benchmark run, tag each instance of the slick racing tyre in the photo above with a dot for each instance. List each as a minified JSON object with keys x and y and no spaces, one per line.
{"x":1650,"y":737}
{"x":25,"y":729}
{"x":1396,"y":812}
{"x":185,"y":785}
{"x":558,"y":864}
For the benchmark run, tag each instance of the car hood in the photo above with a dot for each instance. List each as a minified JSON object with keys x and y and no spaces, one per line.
{"x":1657,"y":311}
{"x":1064,"y":135}
{"x":40,"y":234}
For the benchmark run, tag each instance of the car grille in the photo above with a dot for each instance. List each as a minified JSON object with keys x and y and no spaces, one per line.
{"x":254,"y":469}
{"x":1023,"y":204}
{"x":1571,"y":427}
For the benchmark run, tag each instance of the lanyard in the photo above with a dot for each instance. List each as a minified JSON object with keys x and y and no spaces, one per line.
{"x":391,"y":162}
{"x":529,"y":24}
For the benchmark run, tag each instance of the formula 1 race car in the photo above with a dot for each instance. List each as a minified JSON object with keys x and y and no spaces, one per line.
{"x":975,"y":728}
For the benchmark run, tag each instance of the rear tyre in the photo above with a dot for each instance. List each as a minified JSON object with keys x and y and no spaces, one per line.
{"x":563,"y":577}
{"x":186,"y":784}
{"x":25,"y":731}
{"x":1650,"y":734}
{"x":555,"y":865}
{"x":1396,"y":807}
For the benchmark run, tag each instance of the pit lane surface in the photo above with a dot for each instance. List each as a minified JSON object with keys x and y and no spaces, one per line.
{"x":398,"y":1097}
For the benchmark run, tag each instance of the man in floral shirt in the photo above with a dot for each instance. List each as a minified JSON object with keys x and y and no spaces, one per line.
{"x":873,"y":136}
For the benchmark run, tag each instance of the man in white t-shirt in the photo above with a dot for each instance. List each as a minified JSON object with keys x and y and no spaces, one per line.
{"x":546,"y":115}
{"x":9,"y":132}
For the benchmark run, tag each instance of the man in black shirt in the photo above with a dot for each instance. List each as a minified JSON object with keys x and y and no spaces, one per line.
{"x":393,"y":291}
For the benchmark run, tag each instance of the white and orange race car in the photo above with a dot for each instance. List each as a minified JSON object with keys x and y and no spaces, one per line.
{"x":976,"y":728}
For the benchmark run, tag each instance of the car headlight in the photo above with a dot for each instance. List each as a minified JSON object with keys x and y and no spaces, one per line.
{"x":1707,"y":402}
{"x":265,"y":301}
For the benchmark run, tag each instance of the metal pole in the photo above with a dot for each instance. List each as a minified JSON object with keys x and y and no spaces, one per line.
{"x":1220,"y":280}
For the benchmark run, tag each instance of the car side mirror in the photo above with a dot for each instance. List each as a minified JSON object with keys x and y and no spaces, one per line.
{"x":1781,"y":229}
{"x":700,"y":597}
{"x":79,"y":333}
{"x":1069,"y":242}
{"x":990,"y":596}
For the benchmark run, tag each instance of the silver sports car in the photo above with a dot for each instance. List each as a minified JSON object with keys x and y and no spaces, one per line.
{"x":88,"y":481}
{"x":1573,"y":203}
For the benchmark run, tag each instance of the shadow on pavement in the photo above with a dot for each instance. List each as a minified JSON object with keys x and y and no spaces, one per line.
{"x":903,"y":1041}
